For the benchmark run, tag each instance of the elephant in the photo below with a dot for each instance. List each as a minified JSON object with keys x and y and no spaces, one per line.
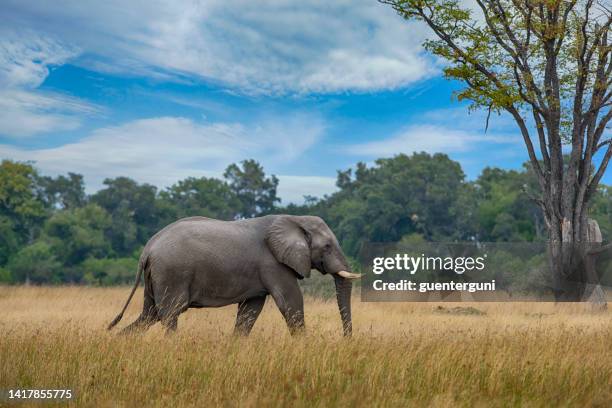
{"x":201,"y":262}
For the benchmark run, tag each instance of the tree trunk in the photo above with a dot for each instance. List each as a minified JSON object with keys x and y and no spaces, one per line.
{"x":594,"y":293}
{"x":572,"y":265}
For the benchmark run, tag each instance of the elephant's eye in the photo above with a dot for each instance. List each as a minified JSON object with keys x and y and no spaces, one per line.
{"x":327,"y":247}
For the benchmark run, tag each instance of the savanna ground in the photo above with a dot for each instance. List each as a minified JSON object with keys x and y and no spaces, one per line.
{"x":517,"y":354}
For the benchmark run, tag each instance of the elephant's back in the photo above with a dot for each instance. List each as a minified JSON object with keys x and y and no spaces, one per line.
{"x":203,"y":238}
{"x":170,"y":230}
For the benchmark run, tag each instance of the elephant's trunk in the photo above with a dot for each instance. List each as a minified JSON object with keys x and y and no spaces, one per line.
{"x":343,"y":295}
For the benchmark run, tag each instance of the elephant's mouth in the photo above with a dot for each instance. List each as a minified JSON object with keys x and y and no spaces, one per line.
{"x":319,"y":267}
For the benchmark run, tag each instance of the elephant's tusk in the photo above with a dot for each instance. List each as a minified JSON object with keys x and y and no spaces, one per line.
{"x":349,"y":275}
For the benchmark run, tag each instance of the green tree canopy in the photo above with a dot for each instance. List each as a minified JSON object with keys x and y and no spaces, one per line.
{"x":423,"y":194}
{"x":203,"y":196}
{"x":21,"y":206}
{"x":78,"y":234}
{"x":66,"y":191}
{"x":505,"y":211}
{"x":35,"y":263}
{"x":405,"y":198}
{"x":133,"y":212}
{"x":256,"y":193}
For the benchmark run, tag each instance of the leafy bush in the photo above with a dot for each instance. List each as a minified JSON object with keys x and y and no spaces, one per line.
{"x":5,"y":276}
{"x":109,"y":271}
{"x":35,"y":263}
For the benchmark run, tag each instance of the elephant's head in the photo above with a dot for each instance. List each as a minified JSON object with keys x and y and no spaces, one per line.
{"x":304,"y":243}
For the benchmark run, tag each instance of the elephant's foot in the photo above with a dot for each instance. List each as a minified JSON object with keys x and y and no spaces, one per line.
{"x":297,"y":330}
{"x":138,"y":326}
{"x":170,"y":324}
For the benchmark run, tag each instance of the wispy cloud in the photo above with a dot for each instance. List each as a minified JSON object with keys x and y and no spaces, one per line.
{"x":292,"y":189}
{"x":25,"y":58}
{"x":164,"y":150}
{"x":256,"y":47}
{"x":25,"y":61}
{"x":428,"y":138}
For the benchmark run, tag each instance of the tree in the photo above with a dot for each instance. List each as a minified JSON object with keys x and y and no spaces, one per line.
{"x":133,"y":211}
{"x":505,"y":212}
{"x":9,"y":240}
{"x":78,"y":234}
{"x":601,"y":209}
{"x":545,"y":62}
{"x":35,"y":263}
{"x":256,"y":192}
{"x":107,"y":271}
{"x":203,"y":196}
{"x":419,"y":194}
{"x":67,"y":192}
{"x":20,"y":204}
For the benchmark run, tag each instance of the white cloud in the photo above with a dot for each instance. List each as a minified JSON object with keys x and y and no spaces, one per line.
{"x":25,"y":59}
{"x":428,"y":138}
{"x":267,"y":46}
{"x":459,"y":117}
{"x":27,"y":113}
{"x":24,"y":64}
{"x":292,"y":189}
{"x":164,"y":150}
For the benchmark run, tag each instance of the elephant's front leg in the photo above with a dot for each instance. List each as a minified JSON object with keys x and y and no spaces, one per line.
{"x":289,"y":299}
{"x":248,"y":311}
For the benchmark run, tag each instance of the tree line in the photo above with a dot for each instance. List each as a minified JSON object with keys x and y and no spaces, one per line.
{"x":51,"y":231}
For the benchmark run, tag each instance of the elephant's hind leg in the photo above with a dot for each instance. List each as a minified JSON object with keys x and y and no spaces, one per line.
{"x":248,"y":311}
{"x":147,"y":318}
{"x":169,"y":307}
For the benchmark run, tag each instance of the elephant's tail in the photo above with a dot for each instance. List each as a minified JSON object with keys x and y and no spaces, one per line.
{"x":141,"y":265}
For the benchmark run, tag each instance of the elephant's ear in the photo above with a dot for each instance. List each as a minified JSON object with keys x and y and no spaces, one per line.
{"x":289,"y":245}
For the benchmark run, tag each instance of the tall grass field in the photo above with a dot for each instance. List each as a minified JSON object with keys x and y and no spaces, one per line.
{"x":401,"y":354}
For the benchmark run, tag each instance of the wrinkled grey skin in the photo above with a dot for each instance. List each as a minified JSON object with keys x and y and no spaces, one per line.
{"x":201,"y":262}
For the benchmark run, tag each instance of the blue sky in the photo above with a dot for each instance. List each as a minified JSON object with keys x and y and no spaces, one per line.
{"x":160,"y":91}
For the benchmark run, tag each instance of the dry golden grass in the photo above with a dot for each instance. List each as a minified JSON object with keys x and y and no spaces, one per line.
{"x":518,"y":354}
